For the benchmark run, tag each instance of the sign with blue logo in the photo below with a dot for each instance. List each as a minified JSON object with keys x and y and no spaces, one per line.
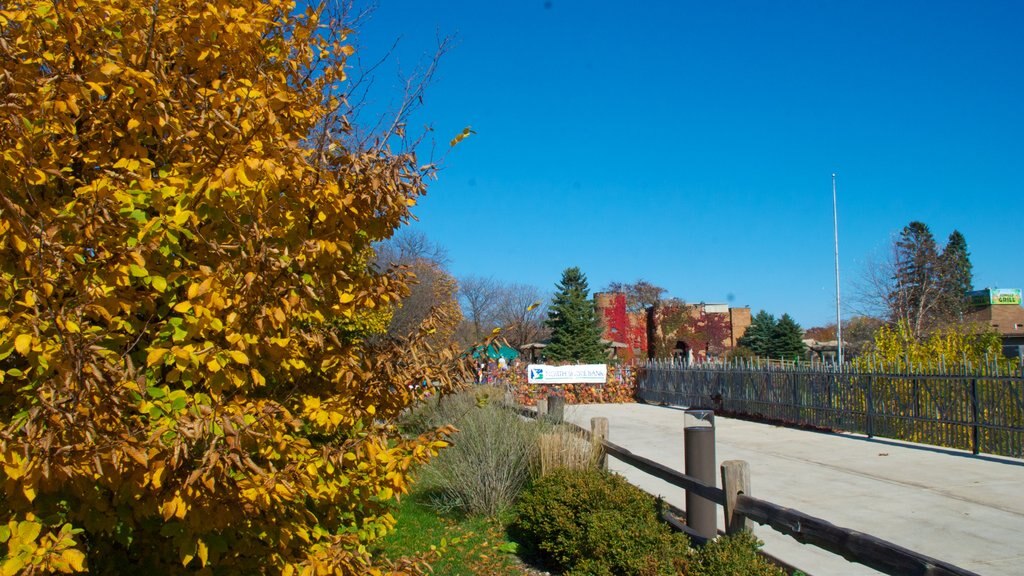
{"x":576,"y":374}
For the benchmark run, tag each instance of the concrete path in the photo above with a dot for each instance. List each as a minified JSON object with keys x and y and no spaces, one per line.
{"x":963,"y":509}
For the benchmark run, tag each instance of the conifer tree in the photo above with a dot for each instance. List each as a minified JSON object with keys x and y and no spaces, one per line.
{"x":575,"y":332}
{"x":787,"y":339}
{"x":956,"y":275}
{"x":758,"y":337}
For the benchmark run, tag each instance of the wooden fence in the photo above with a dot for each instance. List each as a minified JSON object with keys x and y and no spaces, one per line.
{"x":739,"y":507}
{"x":981,"y":410}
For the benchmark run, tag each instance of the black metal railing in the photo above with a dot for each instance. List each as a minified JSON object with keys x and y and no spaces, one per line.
{"x":981,"y":410}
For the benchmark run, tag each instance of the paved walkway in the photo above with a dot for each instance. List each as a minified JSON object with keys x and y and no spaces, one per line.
{"x":963,"y":509}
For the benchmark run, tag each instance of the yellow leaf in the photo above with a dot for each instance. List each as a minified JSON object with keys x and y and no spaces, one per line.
{"x":346,"y":298}
{"x":159,"y":283}
{"x":30,"y":492}
{"x":36,"y":176}
{"x":23,"y":343}
{"x":239,"y":357}
{"x":182,"y":307}
{"x":213,"y":365}
{"x":133,"y":124}
{"x":202,"y":552}
{"x":74,"y":558}
{"x":109,"y":69}
{"x":155,"y":356}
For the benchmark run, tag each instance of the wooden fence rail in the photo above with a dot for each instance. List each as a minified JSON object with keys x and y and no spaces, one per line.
{"x":739,"y":507}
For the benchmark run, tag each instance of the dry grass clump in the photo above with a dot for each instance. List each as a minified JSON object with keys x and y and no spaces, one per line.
{"x":562,"y":447}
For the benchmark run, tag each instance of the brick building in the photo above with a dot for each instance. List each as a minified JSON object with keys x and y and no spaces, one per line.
{"x":670,"y":327}
{"x":1001,"y":310}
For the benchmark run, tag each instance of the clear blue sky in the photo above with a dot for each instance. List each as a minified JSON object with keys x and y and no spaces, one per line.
{"x":692,"y":143}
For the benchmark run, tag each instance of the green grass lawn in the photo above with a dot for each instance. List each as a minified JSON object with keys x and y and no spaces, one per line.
{"x":474,"y":545}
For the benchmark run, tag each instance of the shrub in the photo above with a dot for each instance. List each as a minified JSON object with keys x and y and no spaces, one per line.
{"x":594,"y":522}
{"x":491,"y":458}
{"x":447,"y":409}
{"x":563,"y":447}
{"x":729,"y":556}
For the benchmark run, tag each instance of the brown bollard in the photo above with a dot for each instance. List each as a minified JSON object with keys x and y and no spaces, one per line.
{"x":699,"y":455}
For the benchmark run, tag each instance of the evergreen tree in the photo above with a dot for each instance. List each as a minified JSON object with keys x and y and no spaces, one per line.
{"x":787,"y":339}
{"x":758,"y":337}
{"x":575,"y":332}
{"x":956,"y":276}
{"x":917,"y":296}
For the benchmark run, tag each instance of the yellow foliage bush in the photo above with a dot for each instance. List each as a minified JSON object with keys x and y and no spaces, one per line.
{"x":186,"y":382}
{"x":954,"y":347}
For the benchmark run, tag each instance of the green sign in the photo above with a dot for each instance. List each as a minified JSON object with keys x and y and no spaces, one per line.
{"x":995,"y":296}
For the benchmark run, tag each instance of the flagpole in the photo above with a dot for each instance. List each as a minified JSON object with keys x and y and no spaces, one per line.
{"x":835,"y":230}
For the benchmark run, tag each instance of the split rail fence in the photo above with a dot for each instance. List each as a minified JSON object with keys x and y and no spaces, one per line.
{"x":981,"y":410}
{"x":740,"y":508}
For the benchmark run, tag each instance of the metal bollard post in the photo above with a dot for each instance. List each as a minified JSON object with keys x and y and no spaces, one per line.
{"x":699,"y":447}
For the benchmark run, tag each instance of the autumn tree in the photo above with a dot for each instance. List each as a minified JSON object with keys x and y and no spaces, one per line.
{"x":190,"y":378}
{"x":640,"y":295}
{"x":821,"y":333}
{"x":859,"y":334}
{"x":479,"y":297}
{"x":520,"y":311}
{"x":432,"y":290}
{"x":575,"y":331}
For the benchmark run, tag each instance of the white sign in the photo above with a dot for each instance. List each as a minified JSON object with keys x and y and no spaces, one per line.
{"x":578,"y":374}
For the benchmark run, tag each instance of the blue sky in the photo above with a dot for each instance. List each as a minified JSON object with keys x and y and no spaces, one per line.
{"x":692,"y":143}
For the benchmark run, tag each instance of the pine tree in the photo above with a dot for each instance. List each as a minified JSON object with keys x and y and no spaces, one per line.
{"x":758,"y":336}
{"x":917,"y":294}
{"x":575,"y":332}
{"x":787,"y":339}
{"x":955,"y":276}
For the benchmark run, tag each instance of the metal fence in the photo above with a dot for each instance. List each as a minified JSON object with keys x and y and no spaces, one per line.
{"x":981,"y":410}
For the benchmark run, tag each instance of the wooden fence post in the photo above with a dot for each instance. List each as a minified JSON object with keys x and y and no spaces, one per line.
{"x":556,"y":408}
{"x":735,"y":481}
{"x":598,"y":434}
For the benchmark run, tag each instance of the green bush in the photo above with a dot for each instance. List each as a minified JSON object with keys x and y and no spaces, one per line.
{"x":734,"y":555}
{"x":591,"y":522}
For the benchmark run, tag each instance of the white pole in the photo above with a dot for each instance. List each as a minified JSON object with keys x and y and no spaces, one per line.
{"x":835,"y":229}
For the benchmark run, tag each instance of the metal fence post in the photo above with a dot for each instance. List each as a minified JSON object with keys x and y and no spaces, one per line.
{"x":975,"y":417}
{"x":869,"y":423}
{"x":699,"y":456}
